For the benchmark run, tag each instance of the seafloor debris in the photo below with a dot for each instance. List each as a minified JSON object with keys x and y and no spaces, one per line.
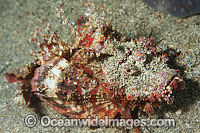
{"x":97,"y":74}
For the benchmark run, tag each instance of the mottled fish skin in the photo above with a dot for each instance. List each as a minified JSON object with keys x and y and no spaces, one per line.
{"x":178,"y":8}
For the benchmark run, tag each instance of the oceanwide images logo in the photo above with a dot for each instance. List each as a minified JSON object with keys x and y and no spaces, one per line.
{"x":46,"y":121}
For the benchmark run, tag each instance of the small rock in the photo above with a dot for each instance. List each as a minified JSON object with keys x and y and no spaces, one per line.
{"x":19,"y":100}
{"x":179,"y":112}
{"x":198,"y":103}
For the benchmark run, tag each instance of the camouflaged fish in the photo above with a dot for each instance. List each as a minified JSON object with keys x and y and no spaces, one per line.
{"x":98,"y":74}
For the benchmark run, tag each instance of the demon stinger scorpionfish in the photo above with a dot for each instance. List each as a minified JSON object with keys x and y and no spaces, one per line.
{"x":97,"y":74}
